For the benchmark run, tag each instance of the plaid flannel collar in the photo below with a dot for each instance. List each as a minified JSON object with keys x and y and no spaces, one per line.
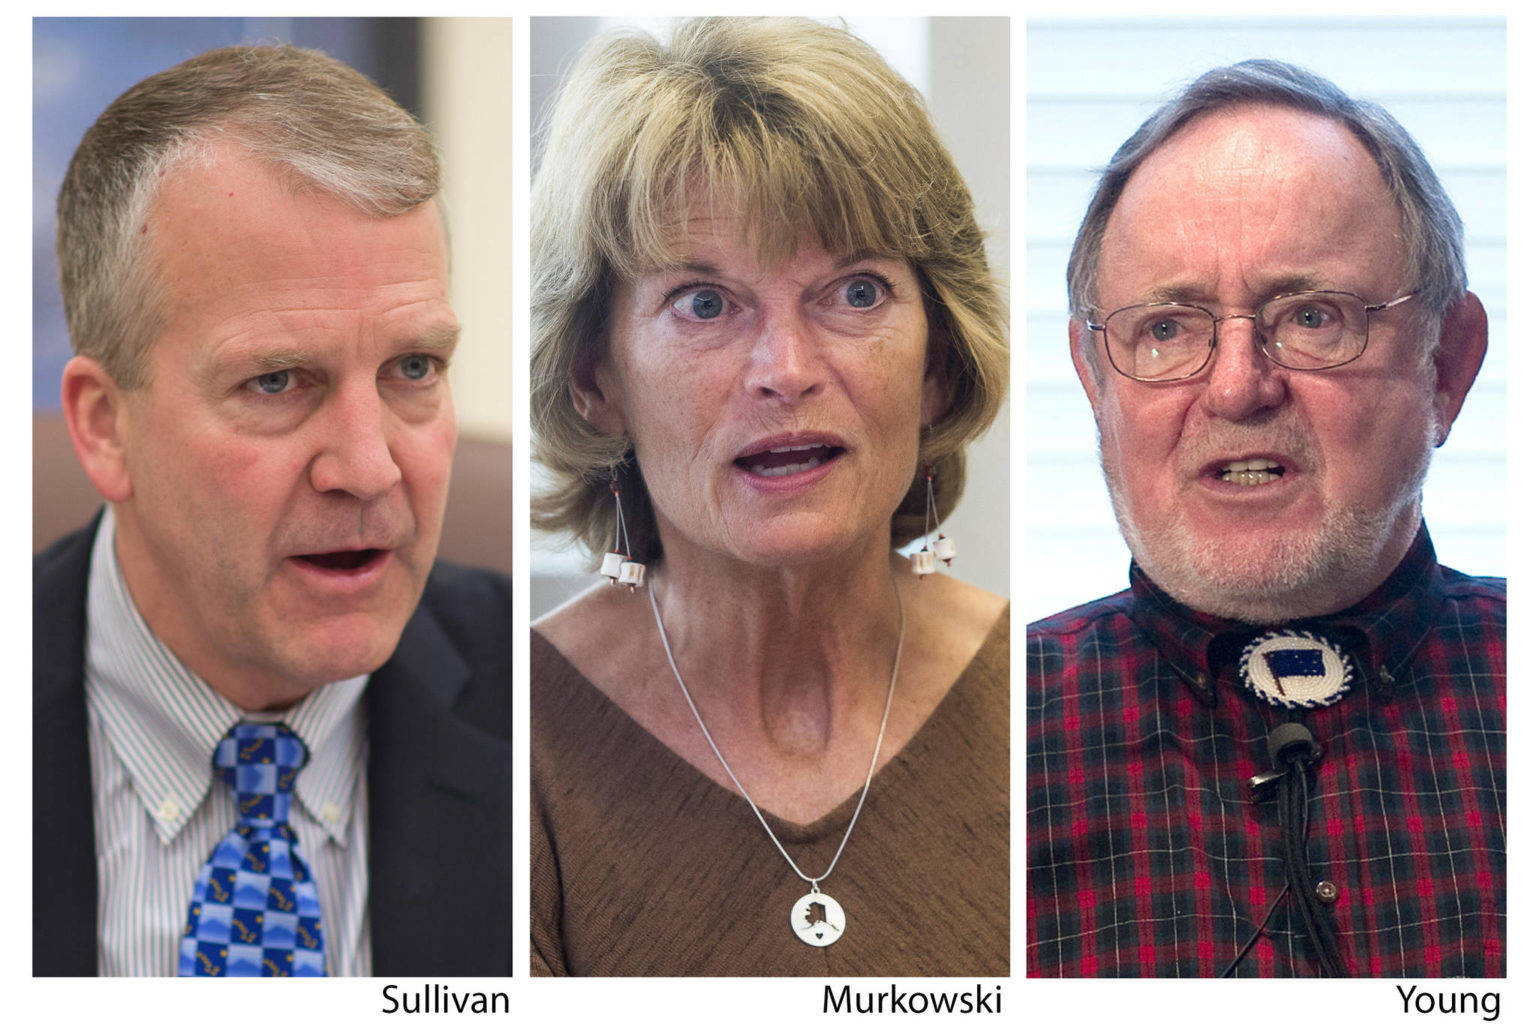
{"x":1380,"y":633}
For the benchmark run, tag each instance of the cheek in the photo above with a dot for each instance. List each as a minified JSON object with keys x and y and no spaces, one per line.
{"x":425,"y":457}
{"x":885,"y":376}
{"x":1367,"y":440}
{"x":1143,"y":428}
{"x":243,"y":487}
{"x":189,"y":463}
{"x":1139,"y":436}
{"x":671,"y":410}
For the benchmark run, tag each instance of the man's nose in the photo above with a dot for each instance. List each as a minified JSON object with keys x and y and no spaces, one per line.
{"x":786,"y":360}
{"x":355,"y":456}
{"x":1242,"y":379}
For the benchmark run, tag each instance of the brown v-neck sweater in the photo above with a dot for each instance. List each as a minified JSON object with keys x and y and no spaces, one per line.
{"x":642,"y":865}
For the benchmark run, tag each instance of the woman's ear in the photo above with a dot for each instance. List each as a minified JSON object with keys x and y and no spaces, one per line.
{"x":935,"y":379}
{"x":595,"y":394}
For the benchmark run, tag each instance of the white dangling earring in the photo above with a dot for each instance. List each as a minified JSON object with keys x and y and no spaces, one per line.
{"x":925,"y":560}
{"x":618,"y":566}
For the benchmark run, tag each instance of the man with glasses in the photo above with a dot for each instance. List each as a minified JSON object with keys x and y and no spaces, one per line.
{"x":1281,"y":751}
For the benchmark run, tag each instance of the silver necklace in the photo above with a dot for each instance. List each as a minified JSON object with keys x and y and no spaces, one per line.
{"x":816,"y":918}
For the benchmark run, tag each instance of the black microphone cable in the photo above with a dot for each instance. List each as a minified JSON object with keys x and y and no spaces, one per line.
{"x":1292,"y":749}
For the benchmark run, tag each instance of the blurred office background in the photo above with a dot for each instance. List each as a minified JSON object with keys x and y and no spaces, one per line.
{"x":455,"y":74}
{"x":1089,"y":84}
{"x":961,"y":66}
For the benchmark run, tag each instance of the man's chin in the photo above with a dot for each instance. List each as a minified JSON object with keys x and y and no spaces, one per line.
{"x":1257,"y":592}
{"x":329,"y":651}
{"x":1266,"y":578}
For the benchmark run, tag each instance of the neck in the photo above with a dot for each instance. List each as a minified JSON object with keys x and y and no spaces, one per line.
{"x":792,"y":657}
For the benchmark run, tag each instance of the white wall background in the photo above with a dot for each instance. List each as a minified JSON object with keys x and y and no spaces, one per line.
{"x":961,"y":65}
{"x":467,"y":88}
{"x":1090,"y":83}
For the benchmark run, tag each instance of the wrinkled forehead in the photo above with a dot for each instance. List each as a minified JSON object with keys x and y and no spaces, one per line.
{"x":772,"y":217}
{"x":697,"y":228}
{"x":215,"y":225}
{"x":1255,"y":187}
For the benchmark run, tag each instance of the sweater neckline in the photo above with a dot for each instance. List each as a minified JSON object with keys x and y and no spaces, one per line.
{"x":833,"y":821}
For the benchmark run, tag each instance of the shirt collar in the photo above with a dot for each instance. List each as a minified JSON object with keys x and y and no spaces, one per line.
{"x":1380,"y":633}
{"x":163,"y":722}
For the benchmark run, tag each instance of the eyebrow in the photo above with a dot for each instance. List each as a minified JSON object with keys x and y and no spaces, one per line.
{"x":705,"y":267}
{"x":692,"y":267}
{"x":437,"y":339}
{"x":279,"y":359}
{"x":862,"y":255}
{"x":1191,"y":295}
{"x":442,"y":337}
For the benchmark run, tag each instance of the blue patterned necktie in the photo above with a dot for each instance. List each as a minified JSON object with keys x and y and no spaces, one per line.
{"x":255,"y":909}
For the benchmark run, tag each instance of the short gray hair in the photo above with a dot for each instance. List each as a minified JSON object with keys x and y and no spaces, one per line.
{"x":300,"y":110}
{"x":1432,"y":232}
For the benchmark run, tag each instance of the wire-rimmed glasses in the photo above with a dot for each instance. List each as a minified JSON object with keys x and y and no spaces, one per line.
{"x":1168,"y":341}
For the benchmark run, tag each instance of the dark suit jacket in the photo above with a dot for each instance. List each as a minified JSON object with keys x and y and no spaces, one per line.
{"x":439,"y":778}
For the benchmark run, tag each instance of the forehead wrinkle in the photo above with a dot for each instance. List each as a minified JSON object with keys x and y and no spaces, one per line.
{"x":772,"y":227}
{"x":1248,"y":178}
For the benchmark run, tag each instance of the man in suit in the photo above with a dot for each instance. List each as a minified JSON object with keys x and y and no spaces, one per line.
{"x":1280,"y":752}
{"x":255,"y":276}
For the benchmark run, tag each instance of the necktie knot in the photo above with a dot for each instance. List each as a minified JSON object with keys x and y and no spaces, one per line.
{"x":255,"y":908}
{"x":261,"y":762}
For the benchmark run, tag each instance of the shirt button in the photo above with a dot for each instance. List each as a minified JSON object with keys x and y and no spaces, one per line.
{"x":169,"y":809}
{"x":1327,"y":891}
{"x":330,"y":812}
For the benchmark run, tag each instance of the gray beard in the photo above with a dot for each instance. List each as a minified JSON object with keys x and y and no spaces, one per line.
{"x":1295,"y":577}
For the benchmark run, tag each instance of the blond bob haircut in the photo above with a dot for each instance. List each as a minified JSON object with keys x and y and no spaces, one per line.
{"x":806,"y":131}
{"x":303,"y":112}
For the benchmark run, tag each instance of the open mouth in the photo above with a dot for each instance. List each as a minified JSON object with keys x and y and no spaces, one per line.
{"x":788,"y":459}
{"x":343,"y":561}
{"x":1251,"y":472}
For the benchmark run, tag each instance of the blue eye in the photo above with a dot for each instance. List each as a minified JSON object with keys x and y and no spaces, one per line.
{"x":274,"y":383}
{"x":862,"y":293}
{"x":416,"y":367}
{"x":707,"y":304}
{"x":1312,"y":317}
{"x":697,"y":303}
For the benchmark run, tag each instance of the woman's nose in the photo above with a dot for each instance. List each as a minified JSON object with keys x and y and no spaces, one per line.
{"x":786,"y":362}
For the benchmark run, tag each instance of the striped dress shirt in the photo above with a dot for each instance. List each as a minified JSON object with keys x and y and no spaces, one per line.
{"x":159,"y":811}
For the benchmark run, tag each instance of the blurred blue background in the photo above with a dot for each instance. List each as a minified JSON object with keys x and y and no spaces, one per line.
{"x":79,"y":65}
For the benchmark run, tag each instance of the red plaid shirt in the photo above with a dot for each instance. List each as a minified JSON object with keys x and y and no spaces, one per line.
{"x":1146,"y":856}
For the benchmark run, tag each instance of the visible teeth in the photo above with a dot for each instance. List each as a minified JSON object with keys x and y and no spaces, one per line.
{"x":795,"y":467}
{"x":1252,"y":472}
{"x":796,"y":448}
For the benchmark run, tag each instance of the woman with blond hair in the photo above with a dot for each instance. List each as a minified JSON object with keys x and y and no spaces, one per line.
{"x":764,"y":332}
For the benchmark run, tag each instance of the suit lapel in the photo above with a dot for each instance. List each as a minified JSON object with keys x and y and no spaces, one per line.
{"x":439,"y":825}
{"x":63,"y":831}
{"x":439,"y":791}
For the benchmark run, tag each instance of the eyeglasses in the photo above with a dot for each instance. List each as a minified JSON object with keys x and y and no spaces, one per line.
{"x":1166,"y":341}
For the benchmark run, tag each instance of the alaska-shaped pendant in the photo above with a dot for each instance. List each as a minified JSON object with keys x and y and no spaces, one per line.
{"x":818,"y":919}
